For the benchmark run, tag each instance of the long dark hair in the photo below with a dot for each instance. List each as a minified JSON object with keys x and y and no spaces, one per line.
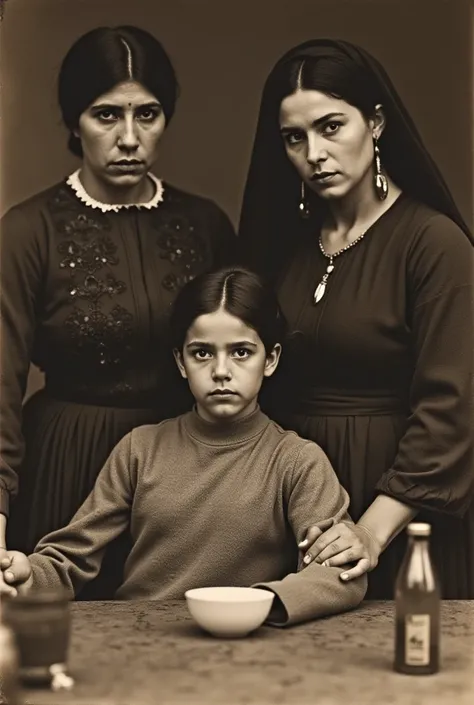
{"x":105,"y":57}
{"x":238,"y":291}
{"x":270,"y":221}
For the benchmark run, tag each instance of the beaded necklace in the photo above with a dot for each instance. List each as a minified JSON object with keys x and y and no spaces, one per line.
{"x":321,"y":288}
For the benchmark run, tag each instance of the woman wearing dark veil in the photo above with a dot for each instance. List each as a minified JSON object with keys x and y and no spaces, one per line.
{"x":348,"y":214}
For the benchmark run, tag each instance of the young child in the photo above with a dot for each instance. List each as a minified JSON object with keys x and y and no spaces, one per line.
{"x":218,"y":496}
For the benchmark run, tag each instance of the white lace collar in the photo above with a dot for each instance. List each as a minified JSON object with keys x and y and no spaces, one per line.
{"x":75,"y":183}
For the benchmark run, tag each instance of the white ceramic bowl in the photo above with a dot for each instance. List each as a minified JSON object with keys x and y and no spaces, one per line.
{"x":229,"y":611}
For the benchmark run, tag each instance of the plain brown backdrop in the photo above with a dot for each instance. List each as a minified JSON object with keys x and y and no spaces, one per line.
{"x":223,"y":51}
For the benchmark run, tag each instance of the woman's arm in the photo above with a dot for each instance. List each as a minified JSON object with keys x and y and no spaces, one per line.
{"x":386,"y":518}
{"x":363,"y":542}
{"x":433,"y":468}
{"x":22,"y":266}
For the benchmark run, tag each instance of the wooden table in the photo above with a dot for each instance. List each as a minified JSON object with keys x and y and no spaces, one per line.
{"x":150,"y":653}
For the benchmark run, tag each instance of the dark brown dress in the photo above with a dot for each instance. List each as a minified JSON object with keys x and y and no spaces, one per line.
{"x":86,"y":296}
{"x":379,"y":374}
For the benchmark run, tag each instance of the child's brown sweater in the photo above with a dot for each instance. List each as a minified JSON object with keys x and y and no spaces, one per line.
{"x":208,"y":505}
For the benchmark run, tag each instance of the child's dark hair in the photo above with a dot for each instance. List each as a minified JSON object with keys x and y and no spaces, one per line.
{"x":239,"y":292}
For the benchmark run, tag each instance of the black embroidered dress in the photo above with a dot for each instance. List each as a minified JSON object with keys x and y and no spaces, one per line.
{"x":86,"y":290}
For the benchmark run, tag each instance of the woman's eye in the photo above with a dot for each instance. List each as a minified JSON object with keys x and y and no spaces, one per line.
{"x":293,"y":138}
{"x":106,"y":116}
{"x":331,"y":128}
{"x":148,"y":114}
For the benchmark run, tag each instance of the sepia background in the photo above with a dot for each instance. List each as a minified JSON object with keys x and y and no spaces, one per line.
{"x":223,"y":51}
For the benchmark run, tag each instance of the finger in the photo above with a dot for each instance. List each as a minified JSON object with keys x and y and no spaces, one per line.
{"x":339,"y":548}
{"x":334,"y":549}
{"x":342,"y":558}
{"x":343,"y":544}
{"x":9,"y":576}
{"x":328,"y":537}
{"x":6,"y":562}
{"x":314,"y":532}
{"x":347,"y":538}
{"x":6,"y":589}
{"x":363,"y":566}
{"x":18,"y":573}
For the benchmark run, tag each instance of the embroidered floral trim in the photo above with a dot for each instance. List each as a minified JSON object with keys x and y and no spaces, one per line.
{"x":183,"y":247}
{"x":75,"y":183}
{"x":107,"y":332}
{"x":88,"y":255}
{"x":93,"y":289}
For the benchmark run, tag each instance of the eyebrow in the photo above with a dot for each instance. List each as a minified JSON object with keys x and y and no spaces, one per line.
{"x":315,"y":123}
{"x":102,"y":106}
{"x":237,"y":344}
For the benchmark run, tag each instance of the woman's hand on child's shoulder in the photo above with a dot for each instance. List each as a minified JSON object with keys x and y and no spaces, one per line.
{"x":15,"y":572}
{"x":339,"y":544}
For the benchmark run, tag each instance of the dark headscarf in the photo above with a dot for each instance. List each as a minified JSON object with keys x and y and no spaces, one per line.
{"x":270,"y":219}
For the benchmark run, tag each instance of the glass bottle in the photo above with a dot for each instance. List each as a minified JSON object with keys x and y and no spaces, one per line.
{"x":417,"y":607}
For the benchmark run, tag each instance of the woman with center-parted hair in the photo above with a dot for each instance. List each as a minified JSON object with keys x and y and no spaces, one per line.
{"x":345,"y":209}
{"x":90,"y":268}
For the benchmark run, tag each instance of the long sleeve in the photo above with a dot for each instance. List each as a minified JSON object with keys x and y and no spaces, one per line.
{"x":313,"y":495}
{"x":434,"y":467}
{"x":21,"y":275}
{"x":70,"y":557}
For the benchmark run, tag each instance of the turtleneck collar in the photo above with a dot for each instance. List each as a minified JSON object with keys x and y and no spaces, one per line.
{"x":227,"y":432}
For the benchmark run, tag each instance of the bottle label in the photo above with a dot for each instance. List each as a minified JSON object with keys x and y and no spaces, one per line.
{"x":417,"y":639}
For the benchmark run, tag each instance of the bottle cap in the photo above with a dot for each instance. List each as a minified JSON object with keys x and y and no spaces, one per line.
{"x":419,"y":529}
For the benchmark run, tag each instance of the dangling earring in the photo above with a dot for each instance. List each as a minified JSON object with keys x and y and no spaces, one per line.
{"x":303,"y":204}
{"x":381,"y":183}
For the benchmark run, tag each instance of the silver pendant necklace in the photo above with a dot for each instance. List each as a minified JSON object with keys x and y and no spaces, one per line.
{"x":321,"y":288}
